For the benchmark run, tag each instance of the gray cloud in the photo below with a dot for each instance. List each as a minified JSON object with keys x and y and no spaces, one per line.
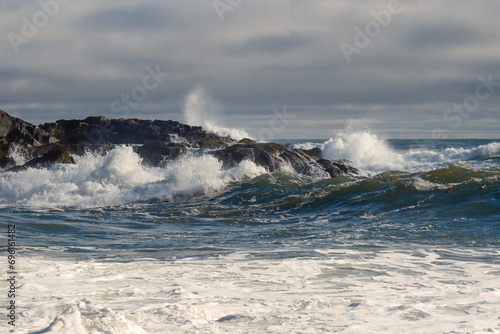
{"x":442,"y":36}
{"x":136,"y":18}
{"x":264,"y":54}
{"x":273,"y":44}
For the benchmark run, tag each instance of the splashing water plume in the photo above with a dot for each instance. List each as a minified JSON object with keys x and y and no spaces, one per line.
{"x":201,"y":109}
{"x":366,"y":149}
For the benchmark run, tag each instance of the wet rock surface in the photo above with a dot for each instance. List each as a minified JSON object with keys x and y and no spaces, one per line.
{"x":15,"y":130}
{"x":158,"y":142}
{"x":59,"y":156}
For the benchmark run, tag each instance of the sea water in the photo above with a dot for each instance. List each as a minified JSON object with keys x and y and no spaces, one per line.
{"x":109,"y":245}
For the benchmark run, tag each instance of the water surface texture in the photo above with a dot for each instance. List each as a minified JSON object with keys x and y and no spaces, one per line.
{"x":111,"y":246}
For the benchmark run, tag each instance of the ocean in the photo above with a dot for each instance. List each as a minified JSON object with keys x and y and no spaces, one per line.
{"x":109,"y":245}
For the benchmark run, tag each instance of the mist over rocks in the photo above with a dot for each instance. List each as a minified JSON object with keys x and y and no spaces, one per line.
{"x":158,"y":143}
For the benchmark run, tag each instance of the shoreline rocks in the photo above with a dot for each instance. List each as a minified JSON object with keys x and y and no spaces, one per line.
{"x":160,"y":142}
{"x":15,"y":130}
{"x":58,"y":155}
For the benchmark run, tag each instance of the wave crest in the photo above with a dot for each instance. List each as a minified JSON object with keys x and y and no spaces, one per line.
{"x":118,"y":178}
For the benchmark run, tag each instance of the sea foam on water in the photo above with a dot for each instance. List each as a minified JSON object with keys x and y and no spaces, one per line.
{"x":365,"y":149}
{"x":392,"y":253}
{"x":117,"y":178}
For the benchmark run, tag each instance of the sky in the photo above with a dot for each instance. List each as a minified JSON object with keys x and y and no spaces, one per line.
{"x":275,"y":69}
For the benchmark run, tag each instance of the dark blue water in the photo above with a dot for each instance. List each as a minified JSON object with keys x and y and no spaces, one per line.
{"x":111,"y":246}
{"x":286,"y":210}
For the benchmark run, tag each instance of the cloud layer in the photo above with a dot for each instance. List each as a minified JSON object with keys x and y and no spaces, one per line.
{"x":410,"y":70}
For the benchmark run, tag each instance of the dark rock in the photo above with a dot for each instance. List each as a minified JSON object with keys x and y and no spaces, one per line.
{"x":58,"y":155}
{"x":4,"y":151}
{"x":161,"y":141}
{"x":247,"y":142}
{"x":14,"y":130}
{"x":44,"y":137}
{"x":339,"y":167}
{"x":273,"y":157}
{"x":213,"y":142}
{"x":154,"y":151}
{"x":96,"y":131}
{"x":314,"y":152}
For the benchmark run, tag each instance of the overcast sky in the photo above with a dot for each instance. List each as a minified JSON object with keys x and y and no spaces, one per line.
{"x":296,"y":68}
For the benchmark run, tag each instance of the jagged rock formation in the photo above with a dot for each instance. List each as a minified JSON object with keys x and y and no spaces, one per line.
{"x":159,"y":141}
{"x":274,"y":157}
{"x":15,"y":130}
{"x":95,"y":131}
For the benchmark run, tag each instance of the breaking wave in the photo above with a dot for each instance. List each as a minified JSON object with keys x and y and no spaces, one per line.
{"x":201,"y":109}
{"x":375,"y":155}
{"x":117,"y":178}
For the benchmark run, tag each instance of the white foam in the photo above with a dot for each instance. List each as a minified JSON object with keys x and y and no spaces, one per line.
{"x":424,"y":185}
{"x":374,"y":155}
{"x":117,"y":178}
{"x":201,"y":109}
{"x":343,"y":290}
{"x":17,"y":154}
{"x":479,"y":152}
{"x":365,"y":149}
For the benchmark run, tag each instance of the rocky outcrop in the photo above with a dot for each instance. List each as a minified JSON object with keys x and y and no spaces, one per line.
{"x":14,"y":130}
{"x":338,"y":167}
{"x":96,"y":131}
{"x":276,"y":157}
{"x":155,"y":151}
{"x":58,"y":155}
{"x":158,"y":142}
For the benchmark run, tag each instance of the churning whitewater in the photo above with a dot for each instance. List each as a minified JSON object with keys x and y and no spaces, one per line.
{"x":112,"y":245}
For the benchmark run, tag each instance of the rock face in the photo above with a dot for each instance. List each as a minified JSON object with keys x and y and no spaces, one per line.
{"x":338,"y":167}
{"x":160,"y":142}
{"x":95,"y":131}
{"x":14,"y":130}
{"x":276,"y":157}
{"x":50,"y":158}
{"x":155,"y":151}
